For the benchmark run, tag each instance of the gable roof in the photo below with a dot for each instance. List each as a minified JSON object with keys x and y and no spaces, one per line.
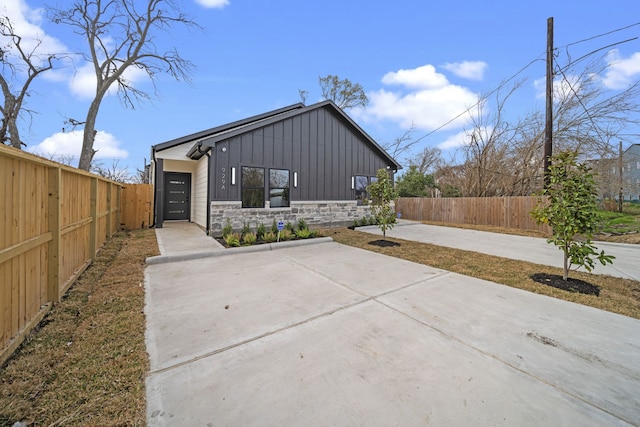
{"x":230,"y":130}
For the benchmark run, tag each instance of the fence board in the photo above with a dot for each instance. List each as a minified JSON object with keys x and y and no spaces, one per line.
{"x":509,"y":212}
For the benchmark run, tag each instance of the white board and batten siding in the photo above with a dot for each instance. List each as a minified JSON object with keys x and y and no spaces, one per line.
{"x":176,"y":160}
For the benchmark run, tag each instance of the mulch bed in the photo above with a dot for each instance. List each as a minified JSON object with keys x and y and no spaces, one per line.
{"x":571,"y":284}
{"x":384,"y":243}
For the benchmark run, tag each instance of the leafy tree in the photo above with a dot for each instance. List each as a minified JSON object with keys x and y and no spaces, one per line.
{"x":415,"y":183}
{"x":342,"y":92}
{"x":571,"y":211}
{"x":121,"y":35}
{"x":20,"y":65}
{"x":382,"y":196}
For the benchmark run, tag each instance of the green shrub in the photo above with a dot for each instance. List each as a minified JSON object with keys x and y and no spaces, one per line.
{"x":364,"y":221}
{"x":274,"y":227}
{"x":260,"y":231}
{"x":270,"y":236}
{"x":245,"y":229}
{"x":286,"y":235}
{"x":249,"y":238}
{"x":289,"y":226}
{"x":302,"y":224}
{"x":227,"y":229}
{"x":232,"y":239}
{"x":303,"y":233}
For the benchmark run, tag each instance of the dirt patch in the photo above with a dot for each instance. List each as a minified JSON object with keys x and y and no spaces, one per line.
{"x":87,"y":361}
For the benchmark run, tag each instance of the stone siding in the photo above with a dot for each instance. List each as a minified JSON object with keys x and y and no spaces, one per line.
{"x":317,"y":214}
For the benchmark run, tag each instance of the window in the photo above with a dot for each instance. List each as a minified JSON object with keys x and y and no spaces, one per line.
{"x":278,"y":188}
{"x":361,"y":183}
{"x":252,"y":187}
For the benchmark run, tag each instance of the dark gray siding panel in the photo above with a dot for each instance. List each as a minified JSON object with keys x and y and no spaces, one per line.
{"x":322,"y":148}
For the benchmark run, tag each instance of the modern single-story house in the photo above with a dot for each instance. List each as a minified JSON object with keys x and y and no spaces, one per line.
{"x":311,"y":162}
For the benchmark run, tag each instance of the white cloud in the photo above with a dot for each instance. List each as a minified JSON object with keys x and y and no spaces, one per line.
{"x":563,"y":88}
{"x":83,"y":83}
{"x":69,"y":144}
{"x":454,"y":141}
{"x":425,"y":76}
{"x":621,"y":71}
{"x":213,"y":4}
{"x":26,"y":23}
{"x":472,"y":70}
{"x":427,"y":100}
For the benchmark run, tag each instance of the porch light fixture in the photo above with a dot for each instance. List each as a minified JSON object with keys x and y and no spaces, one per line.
{"x":353,"y":182}
{"x":295,"y":180}
{"x":233,"y":176}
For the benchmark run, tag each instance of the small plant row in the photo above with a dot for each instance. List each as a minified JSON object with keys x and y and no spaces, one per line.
{"x":365,"y":220}
{"x":247,"y":236}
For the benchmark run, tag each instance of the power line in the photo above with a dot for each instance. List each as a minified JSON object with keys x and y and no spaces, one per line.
{"x":503,"y":83}
{"x":601,"y":35}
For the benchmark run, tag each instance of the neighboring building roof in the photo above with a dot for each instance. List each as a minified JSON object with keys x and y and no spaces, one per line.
{"x":200,"y":147}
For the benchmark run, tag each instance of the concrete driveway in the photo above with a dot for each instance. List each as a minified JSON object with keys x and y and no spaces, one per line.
{"x":325,"y":334}
{"x":523,"y":248}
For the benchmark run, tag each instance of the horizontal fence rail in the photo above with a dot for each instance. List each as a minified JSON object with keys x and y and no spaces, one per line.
{"x":508,"y":212}
{"x":54,"y":220}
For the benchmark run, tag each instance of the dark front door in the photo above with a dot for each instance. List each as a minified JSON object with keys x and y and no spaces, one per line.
{"x":177,"y":191}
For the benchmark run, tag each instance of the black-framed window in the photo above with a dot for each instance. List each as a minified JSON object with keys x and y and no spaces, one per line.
{"x":252,"y":187}
{"x":279,"y":188}
{"x":361,"y":183}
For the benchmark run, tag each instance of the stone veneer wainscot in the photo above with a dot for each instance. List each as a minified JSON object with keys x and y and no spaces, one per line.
{"x":317,"y":214}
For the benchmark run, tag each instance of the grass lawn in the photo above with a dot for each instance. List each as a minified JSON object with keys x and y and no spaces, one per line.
{"x":87,"y":362}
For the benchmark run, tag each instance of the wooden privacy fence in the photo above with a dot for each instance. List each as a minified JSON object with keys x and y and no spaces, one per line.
{"x":53,"y":219}
{"x":509,"y":212}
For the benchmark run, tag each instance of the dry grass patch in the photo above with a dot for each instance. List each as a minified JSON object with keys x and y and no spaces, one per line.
{"x":86,"y":363}
{"x":617,"y":295}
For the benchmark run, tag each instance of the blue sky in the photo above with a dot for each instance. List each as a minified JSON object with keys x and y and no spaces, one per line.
{"x":420,"y":62}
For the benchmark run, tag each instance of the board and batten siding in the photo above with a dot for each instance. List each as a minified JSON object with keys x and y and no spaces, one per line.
{"x":324,"y":150}
{"x":199,"y":210}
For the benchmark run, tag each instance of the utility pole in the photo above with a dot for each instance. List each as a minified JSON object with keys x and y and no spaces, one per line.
{"x":548,"y":130}
{"x":620,"y":170}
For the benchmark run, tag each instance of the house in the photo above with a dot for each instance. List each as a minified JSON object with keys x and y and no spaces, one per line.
{"x":297,"y":162}
{"x":608,"y":174}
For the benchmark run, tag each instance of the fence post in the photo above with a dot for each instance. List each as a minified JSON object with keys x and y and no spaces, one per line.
{"x":109,"y":210}
{"x":54,"y":260}
{"x":93,"y":228}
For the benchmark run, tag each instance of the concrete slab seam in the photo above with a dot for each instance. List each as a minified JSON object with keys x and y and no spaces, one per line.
{"x":506,"y":363}
{"x":345,"y":286}
{"x":258,"y":337}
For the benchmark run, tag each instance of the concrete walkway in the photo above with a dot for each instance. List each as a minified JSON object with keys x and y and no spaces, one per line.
{"x":532,"y":249}
{"x":326,"y":334}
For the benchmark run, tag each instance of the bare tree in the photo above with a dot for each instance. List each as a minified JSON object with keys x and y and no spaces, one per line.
{"x":402,"y":144}
{"x":504,"y":158}
{"x":588,"y":118}
{"x":429,"y":159}
{"x":20,"y":67}
{"x":114,"y":172}
{"x":121,"y":34}
{"x":344,"y":93}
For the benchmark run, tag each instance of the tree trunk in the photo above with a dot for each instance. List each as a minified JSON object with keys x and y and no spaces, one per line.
{"x":89,"y":135}
{"x":14,"y":134}
{"x":565,"y":270}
